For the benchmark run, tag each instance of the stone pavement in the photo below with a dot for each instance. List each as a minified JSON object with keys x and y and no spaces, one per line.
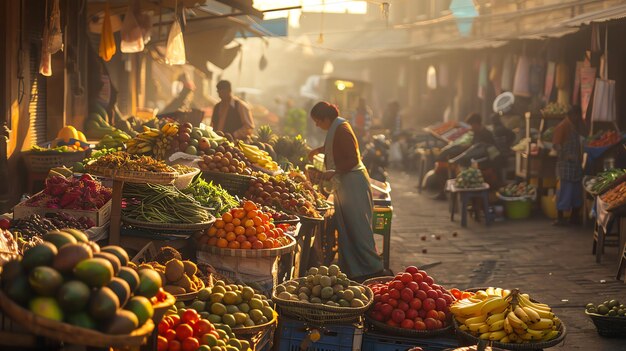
{"x":553,"y":264}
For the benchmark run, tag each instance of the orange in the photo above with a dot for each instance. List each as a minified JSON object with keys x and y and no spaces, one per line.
{"x":267,"y":244}
{"x":252,"y":214}
{"x":212,"y":231}
{"x":229,"y":227}
{"x":260,"y":229}
{"x":249,"y":206}
{"x":239,"y":213}
{"x":212,"y":241}
{"x":257,"y":221}
{"x":277,"y":243}
{"x":246,"y":245}
{"x":239,"y":230}
{"x":227,"y":217}
{"x":221,"y":242}
{"x":264,"y":217}
{"x":257,"y":245}
{"x":220,"y":233}
{"x":241,"y":238}
{"x":250,"y":231}
{"x":219,"y":224}
{"x":230,"y":236}
{"x":236,"y":222}
{"x":272,"y":226}
{"x":234,"y":245}
{"x":248,"y":223}
{"x":280,"y":231}
{"x":261,"y":236}
{"x":267,"y":227}
{"x":252,"y":238}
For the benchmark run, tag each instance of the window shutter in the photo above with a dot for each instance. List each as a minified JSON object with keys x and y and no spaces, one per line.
{"x":37,"y":104}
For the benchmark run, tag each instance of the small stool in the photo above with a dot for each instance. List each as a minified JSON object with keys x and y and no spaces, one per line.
{"x":602,"y":238}
{"x":622,"y":265}
{"x":465,"y":196}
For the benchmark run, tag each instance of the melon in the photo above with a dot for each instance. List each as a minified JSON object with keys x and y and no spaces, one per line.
{"x":66,"y":133}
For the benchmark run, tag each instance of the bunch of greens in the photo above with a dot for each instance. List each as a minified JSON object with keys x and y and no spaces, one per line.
{"x":211,"y":195}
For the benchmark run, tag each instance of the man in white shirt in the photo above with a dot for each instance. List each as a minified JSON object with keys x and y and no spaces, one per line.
{"x":231,"y":115}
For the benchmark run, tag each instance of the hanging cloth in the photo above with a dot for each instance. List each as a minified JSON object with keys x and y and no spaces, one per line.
{"x":549,"y":85}
{"x":576,"y":92}
{"x":45,"y":63}
{"x":507,"y":73}
{"x":175,"y":48}
{"x":483,"y":79}
{"x":603,"y":108}
{"x":537,"y":73}
{"x":521,"y":80}
{"x":55,"y":36}
{"x":131,"y":32}
{"x":562,"y":82}
{"x":107,"y":41}
{"x":495,"y":77}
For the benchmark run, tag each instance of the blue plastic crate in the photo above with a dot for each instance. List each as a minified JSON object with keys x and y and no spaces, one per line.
{"x":341,"y":337}
{"x":382,"y":342}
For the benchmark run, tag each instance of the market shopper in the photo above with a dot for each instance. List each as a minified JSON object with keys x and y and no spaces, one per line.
{"x":361,"y":121}
{"x":231,"y":115}
{"x":352,"y":193}
{"x":567,"y":144}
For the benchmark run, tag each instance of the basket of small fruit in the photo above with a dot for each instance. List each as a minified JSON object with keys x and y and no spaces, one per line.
{"x":469,"y":178}
{"x":609,"y":318}
{"x":410,"y":304}
{"x":517,"y":199}
{"x":324,"y":296}
{"x":507,"y":319}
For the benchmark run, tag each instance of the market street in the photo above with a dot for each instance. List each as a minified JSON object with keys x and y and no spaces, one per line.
{"x":553,"y":264}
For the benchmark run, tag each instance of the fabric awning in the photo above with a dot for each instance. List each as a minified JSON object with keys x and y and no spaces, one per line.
{"x":610,"y":13}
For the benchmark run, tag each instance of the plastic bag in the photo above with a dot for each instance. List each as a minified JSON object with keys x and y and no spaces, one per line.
{"x":175,"y":49}
{"x":131,"y":33}
{"x":107,"y":41}
{"x":55,"y":36}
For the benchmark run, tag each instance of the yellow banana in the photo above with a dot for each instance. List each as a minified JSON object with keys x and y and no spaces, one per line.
{"x":519,"y":312}
{"x":497,"y":335}
{"x":550,"y":335}
{"x":484,"y":336}
{"x":498,"y":291}
{"x":500,"y":309}
{"x":505,"y":340}
{"x":492,"y":304}
{"x":532,"y":314}
{"x":495,"y":318}
{"x":484,"y":328}
{"x":519,"y":332}
{"x":467,"y":309}
{"x":481,"y":294}
{"x":145,"y":149}
{"x":513,"y":337}
{"x":506,"y":293}
{"x":507,"y":326}
{"x":499,"y":325}
{"x":515,"y":322}
{"x":463,"y":327}
{"x":557,"y":322}
{"x":490,"y":291}
{"x":543,"y":323}
{"x":476,"y":326}
{"x":525,"y":301}
{"x":535,"y":334}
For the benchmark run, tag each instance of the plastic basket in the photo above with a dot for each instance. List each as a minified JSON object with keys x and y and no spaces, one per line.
{"x":42,"y":162}
{"x":608,"y":326}
{"x":185,"y":179}
{"x":295,"y":334}
{"x":235,"y":184}
{"x":518,"y":209}
{"x":383,"y":342}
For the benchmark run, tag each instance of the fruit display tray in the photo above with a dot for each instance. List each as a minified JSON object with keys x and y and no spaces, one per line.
{"x":71,"y":334}
{"x":100,"y":217}
{"x":608,"y":326}
{"x":251,"y":253}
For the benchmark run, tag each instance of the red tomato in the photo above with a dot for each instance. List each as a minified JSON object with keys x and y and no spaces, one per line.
{"x":202,"y":327}
{"x":190,"y":344}
{"x":411,"y":269}
{"x":162,"y":343}
{"x":170,"y":334}
{"x":175,"y":320}
{"x":5,"y":223}
{"x":183,"y":331}
{"x":163,"y":327}
{"x":190,"y":316}
{"x":173,"y":345}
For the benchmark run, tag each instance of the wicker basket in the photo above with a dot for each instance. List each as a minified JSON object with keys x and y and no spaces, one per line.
{"x":235,"y":184}
{"x":249,"y":253}
{"x":189,"y":296}
{"x":42,"y":162}
{"x":608,"y":326}
{"x":192,"y":227}
{"x":319,"y":314}
{"x":71,"y":334}
{"x":260,"y":337}
{"x":162,"y":307}
{"x":185,"y":179}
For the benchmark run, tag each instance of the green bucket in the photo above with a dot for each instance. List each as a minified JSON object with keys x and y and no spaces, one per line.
{"x":517,"y":209}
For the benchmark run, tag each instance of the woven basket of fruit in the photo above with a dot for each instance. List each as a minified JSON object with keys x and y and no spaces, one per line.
{"x":171,"y":226}
{"x":252,"y":253}
{"x":608,"y":317}
{"x":235,"y":184}
{"x":43,"y":161}
{"x":312,"y":298}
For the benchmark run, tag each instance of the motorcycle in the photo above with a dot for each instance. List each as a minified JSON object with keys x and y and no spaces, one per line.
{"x":376,"y":157}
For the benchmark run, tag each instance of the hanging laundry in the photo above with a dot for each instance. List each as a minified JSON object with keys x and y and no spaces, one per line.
{"x":507,"y":73}
{"x":107,"y":41}
{"x":521,"y":80}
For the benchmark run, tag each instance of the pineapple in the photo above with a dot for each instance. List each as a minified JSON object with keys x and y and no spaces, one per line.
{"x":266,"y":135}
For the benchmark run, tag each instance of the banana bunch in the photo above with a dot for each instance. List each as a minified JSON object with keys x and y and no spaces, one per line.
{"x":113,"y":140}
{"x":506,"y":316}
{"x":153,"y":141}
{"x":258,"y":156}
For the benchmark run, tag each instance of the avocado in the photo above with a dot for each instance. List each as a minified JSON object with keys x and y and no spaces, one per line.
{"x":81,"y":319}
{"x":40,"y":255}
{"x":19,"y":290}
{"x":115,"y":262}
{"x":103,"y":304}
{"x":46,"y":307}
{"x":70,"y":255}
{"x":59,"y":238}
{"x":141,"y":307}
{"x":45,"y":281}
{"x":77,"y":234}
{"x":11,"y":270}
{"x":149,"y":283}
{"x":130,"y":276}
{"x":73,"y":296}
{"x":95,"y":272}
{"x":124,"y":322}
{"x":117,"y":251}
{"x":121,"y":289}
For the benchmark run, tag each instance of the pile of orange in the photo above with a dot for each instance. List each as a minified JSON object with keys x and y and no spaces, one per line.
{"x":245,"y":228}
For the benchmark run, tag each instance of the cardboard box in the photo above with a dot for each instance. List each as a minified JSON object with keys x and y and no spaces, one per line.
{"x":100,"y":217}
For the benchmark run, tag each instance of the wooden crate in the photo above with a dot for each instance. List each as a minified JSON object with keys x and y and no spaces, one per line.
{"x":100,"y":217}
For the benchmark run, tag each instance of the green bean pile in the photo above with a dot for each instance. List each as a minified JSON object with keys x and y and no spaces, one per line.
{"x":211,"y":195}
{"x":156,"y":203}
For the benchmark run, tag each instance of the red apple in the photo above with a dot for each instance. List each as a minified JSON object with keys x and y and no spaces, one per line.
{"x":411,"y":269}
{"x":397,"y":284}
{"x":407,"y":324}
{"x":398,"y":315}
{"x":421,"y":294}
{"x":393,"y":302}
{"x":431,"y":323}
{"x":406,"y":294}
{"x":403,"y":306}
{"x":432,"y":294}
{"x":394,"y":294}
{"x":442,"y":316}
{"x":411,"y":313}
{"x":429,"y":280}
{"x":440,"y":303}
{"x":449,"y":299}
{"x":417,"y":277}
{"x":416,"y":304}
{"x":432,"y":314}
{"x":386,"y":309}
{"x":419,"y":325}
{"x":428,"y":304}
{"x":414,"y":286}
{"x":406,"y":278}
{"x":424,"y":286}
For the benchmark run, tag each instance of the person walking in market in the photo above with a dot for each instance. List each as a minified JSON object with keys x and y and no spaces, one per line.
{"x":567,"y":144}
{"x":352,"y":194}
{"x":231,"y":115}
{"x":361,"y":121}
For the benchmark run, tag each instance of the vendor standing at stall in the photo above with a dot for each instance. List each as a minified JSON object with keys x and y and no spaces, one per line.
{"x":567,"y":144}
{"x":352,"y":194}
{"x":231,"y":115}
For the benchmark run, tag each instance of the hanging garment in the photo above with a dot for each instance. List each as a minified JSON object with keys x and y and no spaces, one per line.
{"x":576,"y":92}
{"x":45,"y":64}
{"x":495,"y":77}
{"x":107,"y":41}
{"x":549,"y":85}
{"x":55,"y":36}
{"x":587,"y":82}
{"x":507,"y":73}
{"x":521,"y":81}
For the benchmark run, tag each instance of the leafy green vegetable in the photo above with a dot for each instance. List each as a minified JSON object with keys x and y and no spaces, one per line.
{"x":211,"y":195}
